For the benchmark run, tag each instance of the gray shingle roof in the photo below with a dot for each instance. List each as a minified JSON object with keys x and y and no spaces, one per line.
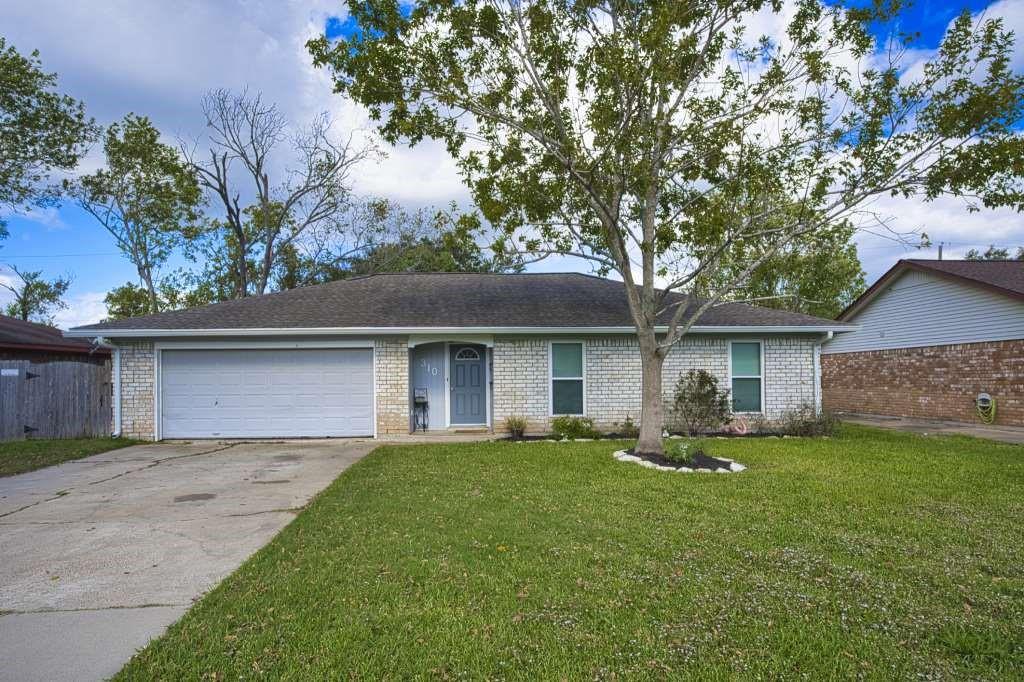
{"x":430,"y":300}
{"x":1001,"y":274}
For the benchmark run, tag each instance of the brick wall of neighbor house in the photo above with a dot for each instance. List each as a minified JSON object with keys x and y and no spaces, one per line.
{"x":933,"y":382}
{"x":392,"y":385}
{"x":613,"y":376}
{"x":137,"y":390}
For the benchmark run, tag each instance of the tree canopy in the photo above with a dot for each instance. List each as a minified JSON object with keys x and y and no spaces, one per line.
{"x":40,"y":130}
{"x":36,"y":299}
{"x":144,"y":197}
{"x":667,"y":140}
{"x":994,"y":253}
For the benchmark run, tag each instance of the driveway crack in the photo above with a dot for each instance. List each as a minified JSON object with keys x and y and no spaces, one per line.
{"x":16,"y":612}
{"x":150,"y":465}
{"x":158,"y":462}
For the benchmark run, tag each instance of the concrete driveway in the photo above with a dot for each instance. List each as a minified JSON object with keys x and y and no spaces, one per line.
{"x":100,"y":555}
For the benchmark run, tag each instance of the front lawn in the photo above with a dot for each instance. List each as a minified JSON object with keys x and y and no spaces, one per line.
{"x":19,"y":456}
{"x":873,"y":554}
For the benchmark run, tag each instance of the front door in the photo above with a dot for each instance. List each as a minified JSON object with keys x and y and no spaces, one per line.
{"x":468,"y":388}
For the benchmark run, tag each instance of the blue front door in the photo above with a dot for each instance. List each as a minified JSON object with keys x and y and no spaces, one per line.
{"x":468,"y":387}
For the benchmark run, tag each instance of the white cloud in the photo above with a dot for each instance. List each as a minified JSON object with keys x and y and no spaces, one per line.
{"x":158,"y":58}
{"x":85,"y":308}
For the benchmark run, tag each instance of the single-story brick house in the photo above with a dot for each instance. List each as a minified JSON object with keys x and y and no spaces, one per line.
{"x":932,"y":336}
{"x":350,"y":358}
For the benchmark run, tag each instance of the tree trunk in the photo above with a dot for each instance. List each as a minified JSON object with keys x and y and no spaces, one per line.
{"x":652,"y":409}
{"x":147,"y":279}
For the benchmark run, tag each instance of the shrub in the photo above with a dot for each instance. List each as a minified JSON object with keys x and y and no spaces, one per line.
{"x":698,"y":405}
{"x":628,"y":429}
{"x":806,"y":421}
{"x":685,"y":451}
{"x":515,"y":425}
{"x":573,"y":427}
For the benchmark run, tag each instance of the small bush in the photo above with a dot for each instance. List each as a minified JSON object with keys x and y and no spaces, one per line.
{"x":698,"y":405}
{"x":515,"y":425}
{"x":628,"y":428}
{"x":573,"y":427}
{"x":685,"y":451}
{"x":806,"y":421}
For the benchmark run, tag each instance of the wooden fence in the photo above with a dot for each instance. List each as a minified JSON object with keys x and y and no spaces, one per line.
{"x":54,"y":396}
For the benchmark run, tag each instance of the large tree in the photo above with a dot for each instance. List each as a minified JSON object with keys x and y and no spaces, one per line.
{"x":383,"y":236}
{"x":40,"y":130}
{"x":272,"y":184}
{"x":656,"y":138}
{"x":368,"y":236}
{"x":819,"y":274}
{"x":145,"y":197}
{"x":36,"y":299}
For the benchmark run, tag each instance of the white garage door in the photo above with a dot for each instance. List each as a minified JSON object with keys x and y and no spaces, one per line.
{"x":266,"y":393}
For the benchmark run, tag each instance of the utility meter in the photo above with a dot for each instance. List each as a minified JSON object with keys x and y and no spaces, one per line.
{"x":986,"y":407}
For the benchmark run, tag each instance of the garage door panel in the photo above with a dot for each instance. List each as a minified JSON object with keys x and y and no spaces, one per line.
{"x":266,"y":393}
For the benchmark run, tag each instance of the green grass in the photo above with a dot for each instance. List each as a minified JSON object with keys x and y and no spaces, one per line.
{"x":874,"y":554}
{"x":19,"y":456}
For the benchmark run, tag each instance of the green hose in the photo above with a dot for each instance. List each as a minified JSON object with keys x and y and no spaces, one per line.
{"x":987,"y":414}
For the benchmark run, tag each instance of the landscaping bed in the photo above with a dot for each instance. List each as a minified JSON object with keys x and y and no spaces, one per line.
{"x":871,"y":554}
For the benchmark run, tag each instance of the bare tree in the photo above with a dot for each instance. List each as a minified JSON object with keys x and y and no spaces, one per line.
{"x":245,"y":135}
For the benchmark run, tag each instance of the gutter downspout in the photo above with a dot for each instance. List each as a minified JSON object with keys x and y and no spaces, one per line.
{"x":116,"y":407}
{"x":817,"y":370}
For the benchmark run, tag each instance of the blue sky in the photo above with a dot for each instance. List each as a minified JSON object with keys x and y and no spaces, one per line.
{"x":157,"y":58}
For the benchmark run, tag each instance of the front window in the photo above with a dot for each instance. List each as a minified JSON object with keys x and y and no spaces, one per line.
{"x":567,"y":378}
{"x":745,"y":363}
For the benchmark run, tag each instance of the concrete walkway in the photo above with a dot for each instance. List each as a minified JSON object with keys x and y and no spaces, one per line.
{"x":99,"y":555}
{"x":1004,"y":434}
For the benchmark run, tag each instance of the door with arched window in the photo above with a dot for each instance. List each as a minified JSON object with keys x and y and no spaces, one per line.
{"x":468,"y":403}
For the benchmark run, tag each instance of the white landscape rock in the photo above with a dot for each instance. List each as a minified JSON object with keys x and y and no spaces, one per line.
{"x":624,"y":456}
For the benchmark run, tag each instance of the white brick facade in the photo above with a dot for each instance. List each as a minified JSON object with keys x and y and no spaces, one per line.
{"x":391,"y":384}
{"x":613,"y":376}
{"x":520,"y":379}
{"x":137,"y":385}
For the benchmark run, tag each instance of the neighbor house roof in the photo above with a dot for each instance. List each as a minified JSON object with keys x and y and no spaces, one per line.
{"x":1001,"y":276}
{"x":17,"y":334}
{"x":412,"y":302}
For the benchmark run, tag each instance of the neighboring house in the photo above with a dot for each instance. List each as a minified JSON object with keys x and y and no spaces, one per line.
{"x":349,"y":357}
{"x":933,"y":336}
{"x":51,"y":386}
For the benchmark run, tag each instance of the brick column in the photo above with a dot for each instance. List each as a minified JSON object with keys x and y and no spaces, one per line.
{"x":137,"y":387}
{"x":391,"y":358}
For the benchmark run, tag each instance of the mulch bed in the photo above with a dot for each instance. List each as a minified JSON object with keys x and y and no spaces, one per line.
{"x":698,"y":461}
{"x":622,"y":436}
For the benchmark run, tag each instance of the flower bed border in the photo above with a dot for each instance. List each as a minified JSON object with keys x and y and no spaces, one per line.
{"x":734,"y":467}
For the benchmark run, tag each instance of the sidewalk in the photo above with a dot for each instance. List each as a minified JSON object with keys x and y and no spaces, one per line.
{"x":1004,"y":434}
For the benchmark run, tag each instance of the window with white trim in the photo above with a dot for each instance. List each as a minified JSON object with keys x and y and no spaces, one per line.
{"x":747,"y":375}
{"x":567,"y":378}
